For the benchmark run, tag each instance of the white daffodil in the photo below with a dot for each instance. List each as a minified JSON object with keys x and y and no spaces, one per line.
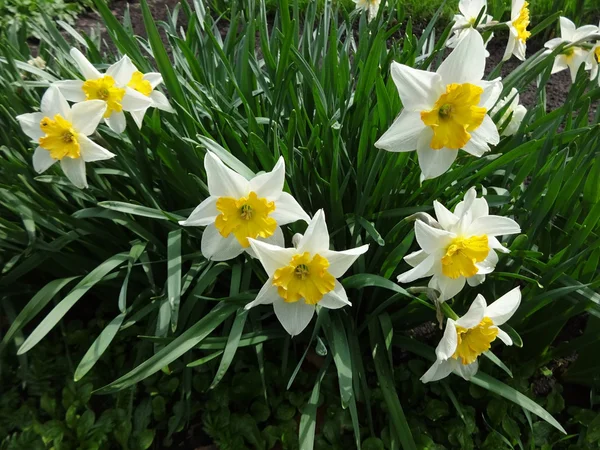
{"x":113,"y":88}
{"x":146,"y":83}
{"x":469,"y":12}
{"x":594,"y":61}
{"x":303,"y":277}
{"x":371,"y":6}
{"x":61,"y":133}
{"x":514,"y":112}
{"x":573,"y":56}
{"x":238,"y":209}
{"x":446,"y":110}
{"x":517,"y":30}
{"x":471,"y":335}
{"x":458,"y":247}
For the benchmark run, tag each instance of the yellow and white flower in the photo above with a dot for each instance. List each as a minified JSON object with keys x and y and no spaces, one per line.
{"x":238,"y":209}
{"x":514,"y":112}
{"x":573,"y":56}
{"x":146,"y":83}
{"x":61,"y":133}
{"x":594,"y":61}
{"x":469,"y":12}
{"x":303,"y":277}
{"x":459,"y":247}
{"x":112,"y":87}
{"x":471,"y":335}
{"x":371,"y":6}
{"x":517,"y":30}
{"x":445,"y":111}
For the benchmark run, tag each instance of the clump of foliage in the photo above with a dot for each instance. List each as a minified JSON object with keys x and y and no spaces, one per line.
{"x":30,"y":14}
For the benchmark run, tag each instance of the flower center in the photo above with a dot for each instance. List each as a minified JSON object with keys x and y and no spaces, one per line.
{"x":60,"y":139}
{"x":472,"y":342}
{"x":104,"y":89}
{"x":138,"y":83}
{"x":455,"y":114}
{"x":462,"y":254}
{"x":522,"y":22}
{"x":304,"y":277}
{"x":246,"y":217}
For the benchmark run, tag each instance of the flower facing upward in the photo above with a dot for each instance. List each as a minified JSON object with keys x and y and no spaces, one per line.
{"x":458,"y":247}
{"x":303,"y":277}
{"x":61,"y":133}
{"x":518,"y":33}
{"x":445,"y":111}
{"x":238,"y":209}
{"x":471,"y":335}
{"x":514,"y":112}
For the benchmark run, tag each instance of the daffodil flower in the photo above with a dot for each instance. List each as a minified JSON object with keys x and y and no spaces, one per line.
{"x":146,"y":83}
{"x":61,"y":133}
{"x":594,"y":61}
{"x":459,"y":247}
{"x":371,"y":6}
{"x":303,"y":277}
{"x":573,"y":56}
{"x":514,"y":112}
{"x":112,"y":88}
{"x":446,"y":110}
{"x":517,"y":30}
{"x":238,"y":209}
{"x":469,"y":12}
{"x":471,"y":335}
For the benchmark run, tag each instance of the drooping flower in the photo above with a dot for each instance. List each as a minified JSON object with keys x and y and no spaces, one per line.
{"x":238,"y":209}
{"x":303,"y":277}
{"x":446,"y":110}
{"x":459,"y":246}
{"x":471,"y":335}
{"x":469,"y":13}
{"x":514,"y":112}
{"x":112,"y":88}
{"x":61,"y":133}
{"x":594,"y":61}
{"x":517,"y":30}
{"x":573,"y":56}
{"x":371,"y":6}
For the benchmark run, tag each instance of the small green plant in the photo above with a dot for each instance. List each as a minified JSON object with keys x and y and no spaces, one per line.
{"x":30,"y":13}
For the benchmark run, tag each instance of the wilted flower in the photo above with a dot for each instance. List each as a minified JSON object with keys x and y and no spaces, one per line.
{"x":518,"y":33}
{"x":458,"y":247}
{"x":303,"y":277}
{"x":38,"y":62}
{"x":238,"y":209}
{"x":515,"y":112}
{"x":471,"y":335}
{"x":371,"y":6}
{"x":61,"y":133}
{"x":446,"y":110}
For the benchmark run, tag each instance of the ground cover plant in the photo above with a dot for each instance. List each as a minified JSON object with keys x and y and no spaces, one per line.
{"x":311,"y":229}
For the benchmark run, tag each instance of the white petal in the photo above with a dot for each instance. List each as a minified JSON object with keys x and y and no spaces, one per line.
{"x":267,"y":295}
{"x":116,"y":122}
{"x":479,"y":208}
{"x":276,"y":239}
{"x":466,"y":204}
{"x":418,"y":89}
{"x":504,"y":337}
{"x":90,"y":151}
{"x":288,"y":210}
{"x":494,"y":226}
{"x":217,"y":248}
{"x":475,"y":314}
{"x":154,"y":78}
{"x":134,"y":100}
{"x":444,"y":216}
{"x":520,"y":49}
{"x":138,"y":116}
{"x":270,"y":184}
{"x":584,"y":32}
{"x":204,"y":214}
{"x":447,"y":345}
{"x":222,"y":181}
{"x":416,"y":258}
{"x":439,"y":370}
{"x":447,"y":287}
{"x":486,"y":134}
{"x":503,"y":309}
{"x":335,"y":299}
{"x":294,"y":316}
{"x":340,"y":262}
{"x":71,"y":89}
{"x":476,"y":280}
{"x":86,"y":68}
{"x":421,"y":270}
{"x":272,"y":257}
{"x":74,"y":169}
{"x":567,"y":28}
{"x":53,"y":102}
{"x":468,"y":371}
{"x":42,"y":160}
{"x":433,"y":163}
{"x":488,"y":265}
{"x":491,"y":93}
{"x":560,"y":64}
{"x":432,"y":239}
{"x":30,"y":124}
{"x":510,"y":46}
{"x":495,"y":244}
{"x":160,"y":101}
{"x":578,"y":58}
{"x":316,"y":236}
{"x":122,"y":71}
{"x":515,"y":9}
{"x":466,"y":63}
{"x":403,"y":134}
{"x":86,"y":116}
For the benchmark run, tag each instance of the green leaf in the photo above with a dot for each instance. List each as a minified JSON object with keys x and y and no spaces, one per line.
{"x":308,"y":420}
{"x":232,"y":345}
{"x":174,"y":275}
